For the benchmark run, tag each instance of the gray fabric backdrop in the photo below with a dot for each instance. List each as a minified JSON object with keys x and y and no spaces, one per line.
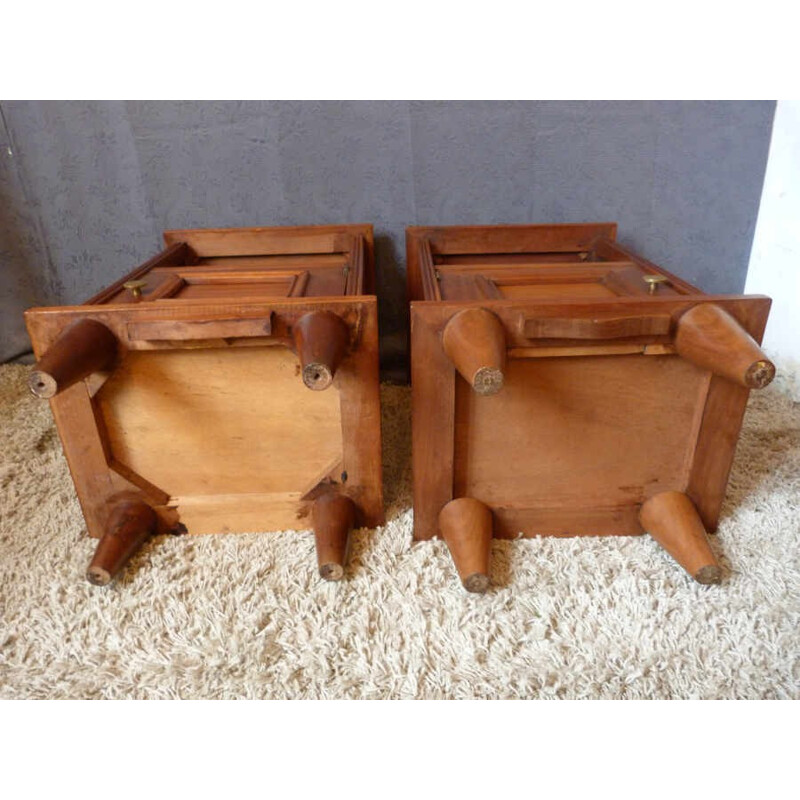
{"x":87,"y":187}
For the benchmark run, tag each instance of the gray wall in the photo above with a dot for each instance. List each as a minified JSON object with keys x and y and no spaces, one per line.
{"x":87,"y":187}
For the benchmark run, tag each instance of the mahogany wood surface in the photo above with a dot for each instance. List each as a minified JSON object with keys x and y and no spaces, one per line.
{"x":710,"y":338}
{"x":130,"y":523}
{"x":202,"y":411}
{"x":475,"y":341}
{"x":81,"y":349}
{"x":321,"y":338}
{"x":621,"y":381}
{"x":333,"y":517}
{"x":672,"y":520}
{"x":588,"y":431}
{"x":496,"y":239}
{"x":466,"y":526}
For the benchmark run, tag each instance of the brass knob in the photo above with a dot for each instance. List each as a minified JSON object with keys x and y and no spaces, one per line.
{"x":653,"y":281}
{"x":135,"y":288}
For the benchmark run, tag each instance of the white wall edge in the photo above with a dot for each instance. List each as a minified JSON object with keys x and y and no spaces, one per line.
{"x":774,"y":267}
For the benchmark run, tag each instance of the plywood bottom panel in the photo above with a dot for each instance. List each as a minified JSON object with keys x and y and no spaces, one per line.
{"x":242,"y":513}
{"x":220,"y":421}
{"x":579,"y":433}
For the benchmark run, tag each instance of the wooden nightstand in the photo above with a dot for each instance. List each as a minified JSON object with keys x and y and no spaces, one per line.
{"x":563,"y":385}
{"x":228,"y":384}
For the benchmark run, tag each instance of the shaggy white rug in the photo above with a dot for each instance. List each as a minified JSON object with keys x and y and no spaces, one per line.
{"x":245,"y":616}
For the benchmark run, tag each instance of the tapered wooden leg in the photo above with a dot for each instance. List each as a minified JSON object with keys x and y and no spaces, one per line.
{"x":466,"y":526}
{"x":475,"y":341}
{"x":334,"y":516}
{"x":321,"y":339}
{"x":711,"y":338}
{"x":129,"y":525}
{"x":672,"y":520}
{"x":84,"y":347}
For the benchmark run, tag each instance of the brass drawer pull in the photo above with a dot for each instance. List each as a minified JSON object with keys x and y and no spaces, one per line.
{"x":654,"y":281}
{"x":135,"y":288}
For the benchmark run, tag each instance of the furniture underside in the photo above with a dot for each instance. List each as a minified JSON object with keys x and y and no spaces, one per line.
{"x":564,"y":385}
{"x":247,"y":440}
{"x":229,"y":384}
{"x":574,"y":445}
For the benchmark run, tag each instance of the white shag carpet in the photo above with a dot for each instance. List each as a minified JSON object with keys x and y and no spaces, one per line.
{"x":245,"y":616}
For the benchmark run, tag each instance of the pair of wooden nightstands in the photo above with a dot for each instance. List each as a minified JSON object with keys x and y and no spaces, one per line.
{"x":561,"y":385}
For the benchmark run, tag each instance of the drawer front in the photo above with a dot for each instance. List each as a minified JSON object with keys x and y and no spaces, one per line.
{"x":551,"y":281}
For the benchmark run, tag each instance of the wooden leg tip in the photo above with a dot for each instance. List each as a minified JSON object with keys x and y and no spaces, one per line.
{"x":130,"y":522}
{"x":488,"y":380}
{"x":760,"y":374}
{"x":673,"y":521}
{"x":709,"y":574}
{"x":317,"y":377}
{"x":710,"y":338}
{"x":475,"y":341}
{"x":333,"y":518}
{"x":331,"y":572}
{"x":478,"y":583}
{"x":98,"y":576}
{"x":466,"y":527}
{"x":82,"y":348}
{"x":42,"y":385}
{"x":321,"y":339}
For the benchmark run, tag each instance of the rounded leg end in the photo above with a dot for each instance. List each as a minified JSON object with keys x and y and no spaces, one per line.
{"x":98,"y":576}
{"x":331,"y":572}
{"x":709,"y":574}
{"x":760,"y":374}
{"x":42,"y":385}
{"x":478,"y":583}
{"x":317,"y":377}
{"x":487,"y":380}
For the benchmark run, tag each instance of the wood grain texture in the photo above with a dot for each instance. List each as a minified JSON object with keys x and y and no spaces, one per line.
{"x":207,"y":419}
{"x":251,"y":512}
{"x":176,"y":254}
{"x":587,"y":431}
{"x":217,"y":242}
{"x":604,"y":248}
{"x":672,"y":520}
{"x":711,"y":338}
{"x":220,"y":421}
{"x":518,"y":521}
{"x":211,"y":328}
{"x":321,"y":339}
{"x":333,"y":518}
{"x":598,"y":413}
{"x":466,"y":526}
{"x":433,"y":378}
{"x":474,"y":340}
{"x":84,"y":347}
{"x":130,"y":523}
{"x":483,"y":239}
{"x":634,"y":281}
{"x":318,"y":261}
{"x":722,"y":423}
{"x":358,"y":382}
{"x":516,"y":238}
{"x":607,"y":328}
